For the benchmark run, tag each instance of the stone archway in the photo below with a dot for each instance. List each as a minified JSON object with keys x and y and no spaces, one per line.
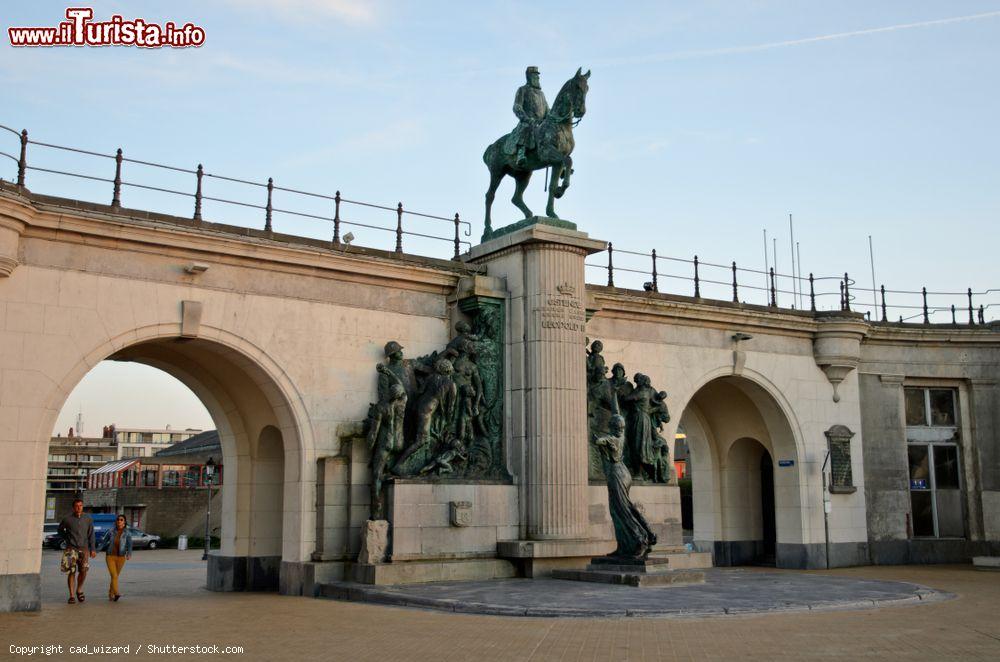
{"x":258,"y":419}
{"x":733,"y":425}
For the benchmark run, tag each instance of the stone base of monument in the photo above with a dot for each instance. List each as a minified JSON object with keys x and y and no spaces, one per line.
{"x":492,"y":233}
{"x":681,"y":559}
{"x":986,"y":562}
{"x":537,"y":559}
{"x":421,"y":572}
{"x":648,"y":572}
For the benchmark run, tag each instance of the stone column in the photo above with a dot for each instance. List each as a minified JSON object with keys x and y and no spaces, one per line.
{"x":547,"y":413}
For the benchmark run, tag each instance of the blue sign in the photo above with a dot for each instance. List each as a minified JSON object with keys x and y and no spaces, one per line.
{"x":918,"y":483}
{"x":786,"y":463}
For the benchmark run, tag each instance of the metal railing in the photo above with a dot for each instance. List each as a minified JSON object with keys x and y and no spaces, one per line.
{"x":728,"y":282}
{"x":460,"y":228}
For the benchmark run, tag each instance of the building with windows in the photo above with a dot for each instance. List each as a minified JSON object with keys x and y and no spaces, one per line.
{"x":163,"y":494}
{"x":142,"y":442}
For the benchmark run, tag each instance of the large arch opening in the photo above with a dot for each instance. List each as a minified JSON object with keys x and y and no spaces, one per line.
{"x":745,"y":475}
{"x":260,"y":440}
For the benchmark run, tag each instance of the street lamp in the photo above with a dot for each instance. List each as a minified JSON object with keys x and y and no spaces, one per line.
{"x":209,"y":479}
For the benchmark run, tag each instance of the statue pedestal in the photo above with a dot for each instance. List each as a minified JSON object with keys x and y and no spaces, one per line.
{"x":645,"y":572}
{"x":543,"y":266}
{"x":493,"y":233}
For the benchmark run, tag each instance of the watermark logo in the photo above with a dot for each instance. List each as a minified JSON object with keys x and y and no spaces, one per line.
{"x":80,"y":30}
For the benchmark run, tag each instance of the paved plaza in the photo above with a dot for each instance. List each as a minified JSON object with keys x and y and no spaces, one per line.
{"x":165,"y":603}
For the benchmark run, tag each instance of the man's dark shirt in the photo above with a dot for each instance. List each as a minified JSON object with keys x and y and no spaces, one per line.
{"x":78,"y":531}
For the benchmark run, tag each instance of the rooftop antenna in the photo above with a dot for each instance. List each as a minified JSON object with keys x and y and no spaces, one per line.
{"x":798,"y":259}
{"x":766,"y":262}
{"x":774,"y":254}
{"x":871,"y":256}
{"x":791,"y":249}
{"x":79,"y":422}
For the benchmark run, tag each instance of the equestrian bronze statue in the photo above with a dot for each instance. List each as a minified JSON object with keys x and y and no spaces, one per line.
{"x":543,"y":138}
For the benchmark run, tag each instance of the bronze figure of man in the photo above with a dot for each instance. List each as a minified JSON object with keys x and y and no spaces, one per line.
{"x":530,"y":107}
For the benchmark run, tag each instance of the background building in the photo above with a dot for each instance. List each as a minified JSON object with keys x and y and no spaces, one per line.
{"x":143,"y":442}
{"x":163,"y":494}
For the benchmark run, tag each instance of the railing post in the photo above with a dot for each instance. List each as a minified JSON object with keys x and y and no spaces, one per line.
{"x":611,"y":265}
{"x":336,"y":218}
{"x":22,"y":163}
{"x":774,"y":294}
{"x":971,"y":322}
{"x":197,"y":193}
{"x":847,"y":292}
{"x":812,"y":294}
{"x":267,"y":209}
{"x":841,"y":295}
{"x":953,"y":322}
{"x":116,"y":199}
{"x":927,"y":319}
{"x":884,"y":319}
{"x":736,"y":298}
{"x":656,"y":286}
{"x":982,"y":314}
{"x":456,"y":237}
{"x":697,"y":283}
{"x":399,"y":228}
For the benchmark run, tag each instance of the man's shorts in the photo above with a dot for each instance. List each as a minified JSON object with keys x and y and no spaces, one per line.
{"x":74,"y":560}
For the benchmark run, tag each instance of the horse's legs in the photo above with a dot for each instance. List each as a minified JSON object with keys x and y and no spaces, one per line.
{"x":521,"y":179}
{"x":550,"y":210}
{"x":496,"y":175}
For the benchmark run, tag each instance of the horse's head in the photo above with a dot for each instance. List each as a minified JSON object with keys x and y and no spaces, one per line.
{"x":579,"y":88}
{"x":571,"y":102}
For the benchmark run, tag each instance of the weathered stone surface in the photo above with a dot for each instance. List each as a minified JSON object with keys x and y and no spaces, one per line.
{"x":374,"y":541}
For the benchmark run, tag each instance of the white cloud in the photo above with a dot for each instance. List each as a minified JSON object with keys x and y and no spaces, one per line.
{"x":715,"y":52}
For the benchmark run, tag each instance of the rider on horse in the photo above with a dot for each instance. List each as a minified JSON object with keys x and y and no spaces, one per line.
{"x":530,"y":107}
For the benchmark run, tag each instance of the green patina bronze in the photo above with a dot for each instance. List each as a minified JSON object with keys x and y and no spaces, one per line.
{"x":543,"y":138}
{"x":441,"y":415}
{"x":643,"y":409}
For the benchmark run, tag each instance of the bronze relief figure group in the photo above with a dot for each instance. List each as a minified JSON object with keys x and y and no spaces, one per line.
{"x":644,"y":412}
{"x":437,"y":415}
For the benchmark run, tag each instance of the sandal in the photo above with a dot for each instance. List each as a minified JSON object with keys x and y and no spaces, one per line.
{"x":81,"y":597}
{"x":116,"y":598}
{"x":71,"y":600}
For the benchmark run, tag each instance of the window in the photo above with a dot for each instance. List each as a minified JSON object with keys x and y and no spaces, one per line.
{"x":149,"y":476}
{"x":172,"y":475}
{"x":932,"y":436}
{"x":191,"y":475}
{"x":129,"y":477}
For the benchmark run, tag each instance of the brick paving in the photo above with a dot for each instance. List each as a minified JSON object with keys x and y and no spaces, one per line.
{"x":165,"y":604}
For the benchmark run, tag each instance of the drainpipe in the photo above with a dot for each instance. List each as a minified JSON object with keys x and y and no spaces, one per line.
{"x":826,"y":510}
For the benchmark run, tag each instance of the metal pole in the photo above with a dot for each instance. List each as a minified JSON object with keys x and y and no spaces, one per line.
{"x":697,"y":284}
{"x":22,"y":163}
{"x":336,"y":218}
{"x":399,"y":228}
{"x":457,"y":242}
{"x":791,"y":249}
{"x":656,"y":285}
{"x":736,"y":298}
{"x":116,"y":200}
{"x":826,"y":510}
{"x":611,"y":265}
{"x":871,"y":255}
{"x":267,"y":209}
{"x":197,"y":193}
{"x":767,"y":263}
{"x":208,"y":516}
{"x":798,"y":260}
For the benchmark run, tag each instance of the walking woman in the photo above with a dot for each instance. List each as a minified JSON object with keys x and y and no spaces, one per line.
{"x":119,"y":550}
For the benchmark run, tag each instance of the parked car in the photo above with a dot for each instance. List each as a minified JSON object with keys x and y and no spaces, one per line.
{"x":48,"y":529}
{"x":140,"y":539}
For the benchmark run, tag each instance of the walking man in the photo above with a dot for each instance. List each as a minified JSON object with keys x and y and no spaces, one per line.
{"x":77,"y":529}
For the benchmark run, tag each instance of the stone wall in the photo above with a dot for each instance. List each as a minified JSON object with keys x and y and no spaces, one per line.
{"x":424,"y":527}
{"x":167,"y":512}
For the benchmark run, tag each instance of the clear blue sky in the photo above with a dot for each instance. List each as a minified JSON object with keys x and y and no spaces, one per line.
{"x":707,"y":122}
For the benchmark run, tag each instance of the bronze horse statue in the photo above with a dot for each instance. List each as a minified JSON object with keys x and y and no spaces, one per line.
{"x":554,"y":146}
